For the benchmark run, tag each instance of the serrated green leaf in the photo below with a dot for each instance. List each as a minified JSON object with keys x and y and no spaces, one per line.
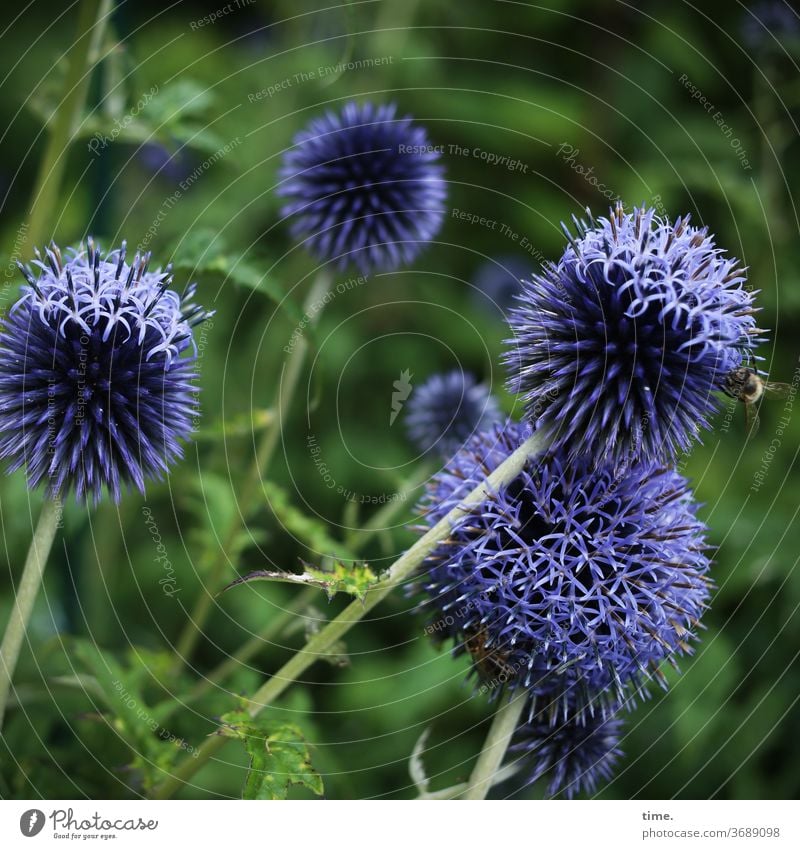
{"x":204,"y":252}
{"x":121,"y":685}
{"x":279,"y":755}
{"x":353,"y":579}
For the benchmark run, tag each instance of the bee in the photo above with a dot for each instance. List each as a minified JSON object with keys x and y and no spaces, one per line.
{"x":747,"y":386}
{"x":490,"y":663}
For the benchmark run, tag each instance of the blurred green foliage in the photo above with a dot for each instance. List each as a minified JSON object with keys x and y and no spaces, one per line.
{"x":600,"y":83}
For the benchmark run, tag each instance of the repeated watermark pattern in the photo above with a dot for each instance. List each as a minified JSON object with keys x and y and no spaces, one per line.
{"x":318,"y":73}
{"x":719,"y":119}
{"x":142,"y":714}
{"x":100,"y":141}
{"x":313,"y":309}
{"x":783,"y":423}
{"x":169,"y":203}
{"x":402,"y":390}
{"x":222,"y":12}
{"x":168,"y":583}
{"x":500,"y":227}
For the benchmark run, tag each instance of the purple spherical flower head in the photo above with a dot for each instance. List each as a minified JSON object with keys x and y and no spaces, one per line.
{"x":573,"y":580}
{"x":97,"y":382}
{"x":363,"y":188}
{"x":576,"y":752}
{"x":621,"y":347}
{"x":447,"y":409}
{"x":498,"y":281}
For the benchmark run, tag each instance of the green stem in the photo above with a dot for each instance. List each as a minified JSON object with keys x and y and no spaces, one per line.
{"x":504,"y":724}
{"x":91,"y":26}
{"x":306,"y":597}
{"x":357,"y":538}
{"x":457,"y":790}
{"x":26,"y":594}
{"x":247,"y":651}
{"x":218,"y":560}
{"x":321,"y":642}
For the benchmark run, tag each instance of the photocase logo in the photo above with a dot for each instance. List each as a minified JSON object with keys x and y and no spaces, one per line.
{"x":402,"y":389}
{"x":31,"y":822}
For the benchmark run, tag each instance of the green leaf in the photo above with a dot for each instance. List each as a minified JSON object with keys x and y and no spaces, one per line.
{"x":310,"y":531}
{"x":204,"y":252}
{"x":212,"y":501}
{"x":279,"y":755}
{"x":121,"y":684}
{"x":353,"y":579}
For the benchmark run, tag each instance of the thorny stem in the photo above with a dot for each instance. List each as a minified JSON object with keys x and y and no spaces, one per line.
{"x":217,"y":559}
{"x":280,"y":621}
{"x":27,"y":591}
{"x":321,"y":642}
{"x":505,"y":722}
{"x":92,"y":21}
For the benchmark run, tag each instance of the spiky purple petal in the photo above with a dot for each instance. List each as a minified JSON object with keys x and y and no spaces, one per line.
{"x":620,"y":349}
{"x":572,"y":580}
{"x":97,"y":382}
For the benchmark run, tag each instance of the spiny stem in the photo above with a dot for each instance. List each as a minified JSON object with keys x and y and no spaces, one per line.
{"x":217,"y":561}
{"x":27,"y":591}
{"x":94,"y":15}
{"x":504,"y":724}
{"x":275,"y":625}
{"x":321,"y":642}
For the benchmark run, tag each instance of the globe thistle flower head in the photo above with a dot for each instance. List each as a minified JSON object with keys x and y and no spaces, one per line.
{"x":96,"y":373}
{"x":574,"y":579}
{"x":620,"y":348}
{"x":363,"y":187}
{"x":577,"y":753}
{"x":447,"y":409}
{"x":768,"y":24}
{"x":497,"y":282}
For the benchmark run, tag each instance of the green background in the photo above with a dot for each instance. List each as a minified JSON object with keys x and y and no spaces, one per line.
{"x":511,"y":78}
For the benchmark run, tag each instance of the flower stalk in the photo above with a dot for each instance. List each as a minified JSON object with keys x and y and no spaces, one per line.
{"x":27,"y":591}
{"x":505,"y":722}
{"x":81,"y":57}
{"x":321,"y":642}
{"x":218,"y":559}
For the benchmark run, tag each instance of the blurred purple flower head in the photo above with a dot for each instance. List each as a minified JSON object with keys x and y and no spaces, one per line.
{"x":447,"y":409}
{"x":765,"y":25}
{"x":497,"y":282}
{"x":363,"y":188}
{"x":576,"y":752}
{"x":159,"y":160}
